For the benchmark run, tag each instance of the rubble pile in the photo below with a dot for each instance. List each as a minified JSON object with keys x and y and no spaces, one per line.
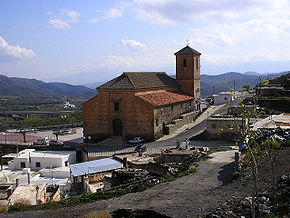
{"x":276,"y":202}
{"x":280,"y":204}
{"x":128,"y":175}
{"x":188,"y":161}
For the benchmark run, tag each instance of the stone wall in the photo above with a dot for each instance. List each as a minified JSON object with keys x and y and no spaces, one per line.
{"x":238,"y":110}
{"x":183,"y":119}
{"x":223,"y":127}
{"x":165,"y":115}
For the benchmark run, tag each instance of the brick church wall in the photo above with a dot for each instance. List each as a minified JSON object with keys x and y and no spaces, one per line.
{"x":135,"y":115}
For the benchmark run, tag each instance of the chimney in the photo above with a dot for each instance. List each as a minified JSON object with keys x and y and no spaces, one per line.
{"x":125,"y":162}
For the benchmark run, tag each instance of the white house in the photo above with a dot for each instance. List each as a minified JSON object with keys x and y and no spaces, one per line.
{"x":67,"y":104}
{"x":36,"y":160}
{"x":222,"y":98}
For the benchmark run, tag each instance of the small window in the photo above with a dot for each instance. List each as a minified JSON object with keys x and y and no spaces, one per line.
{"x":196,"y":63}
{"x":37,"y":164}
{"x":116,"y":106}
{"x":172,"y":108}
{"x":66,"y":163}
{"x":184,"y":63}
{"x":226,"y":98}
{"x":190,"y":103}
{"x":157,"y":122}
{"x":22,"y":165}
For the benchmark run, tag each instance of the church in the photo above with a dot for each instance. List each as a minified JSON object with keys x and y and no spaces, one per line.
{"x":145,"y":104}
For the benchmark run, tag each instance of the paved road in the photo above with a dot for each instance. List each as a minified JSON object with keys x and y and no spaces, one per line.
{"x":196,"y":130}
{"x":184,"y":197}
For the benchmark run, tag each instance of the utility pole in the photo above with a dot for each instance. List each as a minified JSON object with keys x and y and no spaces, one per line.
{"x":234,"y":88}
{"x":260,"y":85}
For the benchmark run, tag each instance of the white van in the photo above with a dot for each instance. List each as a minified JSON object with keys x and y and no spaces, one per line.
{"x":41,"y":141}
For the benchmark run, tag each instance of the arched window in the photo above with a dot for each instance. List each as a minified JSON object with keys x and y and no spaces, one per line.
{"x":184,"y":63}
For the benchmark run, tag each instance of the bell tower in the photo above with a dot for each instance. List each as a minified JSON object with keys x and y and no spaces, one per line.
{"x":188,"y":71}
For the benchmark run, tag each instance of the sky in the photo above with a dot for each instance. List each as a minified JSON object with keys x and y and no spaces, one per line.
{"x":83,"y":41}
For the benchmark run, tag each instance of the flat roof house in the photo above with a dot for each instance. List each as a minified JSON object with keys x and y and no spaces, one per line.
{"x":90,"y":176}
{"x":36,"y":160}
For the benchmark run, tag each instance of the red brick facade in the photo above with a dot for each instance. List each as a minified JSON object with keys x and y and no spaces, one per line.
{"x":141,"y":104}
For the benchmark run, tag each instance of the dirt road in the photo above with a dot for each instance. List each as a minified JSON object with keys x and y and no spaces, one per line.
{"x":184,"y":197}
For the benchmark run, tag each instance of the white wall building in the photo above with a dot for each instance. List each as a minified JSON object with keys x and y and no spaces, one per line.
{"x":222,"y":98}
{"x":36,"y":160}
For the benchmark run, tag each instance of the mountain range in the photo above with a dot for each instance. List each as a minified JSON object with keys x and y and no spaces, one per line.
{"x":22,"y":87}
{"x":210,"y":84}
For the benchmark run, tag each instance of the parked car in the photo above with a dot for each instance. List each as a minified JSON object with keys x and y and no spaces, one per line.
{"x":55,"y":143}
{"x":65,"y":131}
{"x":41,"y":141}
{"x":136,"y":140}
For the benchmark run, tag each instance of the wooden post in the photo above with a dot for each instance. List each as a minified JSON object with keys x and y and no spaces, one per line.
{"x":237,"y":161}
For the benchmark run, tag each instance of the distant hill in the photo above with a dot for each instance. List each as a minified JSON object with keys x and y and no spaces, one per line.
{"x":94,"y":85}
{"x":21,"y":87}
{"x":224,"y":82}
{"x":252,"y":73}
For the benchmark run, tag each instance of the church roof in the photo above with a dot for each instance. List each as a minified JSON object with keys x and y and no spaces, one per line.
{"x":163,"y":98}
{"x":187,"y":50}
{"x":139,"y":80}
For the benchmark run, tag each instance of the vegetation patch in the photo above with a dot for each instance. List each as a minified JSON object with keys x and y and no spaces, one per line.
{"x":98,"y":214}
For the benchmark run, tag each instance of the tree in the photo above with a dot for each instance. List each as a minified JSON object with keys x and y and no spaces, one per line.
{"x":245,"y":137}
{"x":271,"y":147}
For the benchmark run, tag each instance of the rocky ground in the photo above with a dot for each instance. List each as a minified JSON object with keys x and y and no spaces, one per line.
{"x":211,"y":187}
{"x":271,"y":201}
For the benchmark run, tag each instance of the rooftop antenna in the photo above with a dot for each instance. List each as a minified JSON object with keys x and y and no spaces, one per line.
{"x":187,"y":42}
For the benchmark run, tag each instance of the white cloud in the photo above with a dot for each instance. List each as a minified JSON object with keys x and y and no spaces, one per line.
{"x":172,"y":11}
{"x":73,"y":15}
{"x":121,"y":63}
{"x":59,"y":24}
{"x":64,"y":19}
{"x":113,"y":13}
{"x":109,"y":14}
{"x":9,"y":53}
{"x":264,"y":37}
{"x":133,"y":45}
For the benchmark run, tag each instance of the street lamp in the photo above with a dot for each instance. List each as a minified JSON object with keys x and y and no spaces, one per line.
{"x":89,"y":139}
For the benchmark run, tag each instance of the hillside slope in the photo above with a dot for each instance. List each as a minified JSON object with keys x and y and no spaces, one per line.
{"x":21,"y":87}
{"x":224,"y":82}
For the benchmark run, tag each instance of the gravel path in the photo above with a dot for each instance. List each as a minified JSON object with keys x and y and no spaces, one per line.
{"x":184,"y":197}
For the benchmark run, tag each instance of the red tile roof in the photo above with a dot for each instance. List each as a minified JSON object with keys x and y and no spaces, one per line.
{"x":163,"y":98}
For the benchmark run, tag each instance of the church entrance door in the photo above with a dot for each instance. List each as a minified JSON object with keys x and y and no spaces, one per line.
{"x":117,"y":127}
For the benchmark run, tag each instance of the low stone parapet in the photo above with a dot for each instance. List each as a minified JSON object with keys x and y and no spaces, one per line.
{"x":184,"y":119}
